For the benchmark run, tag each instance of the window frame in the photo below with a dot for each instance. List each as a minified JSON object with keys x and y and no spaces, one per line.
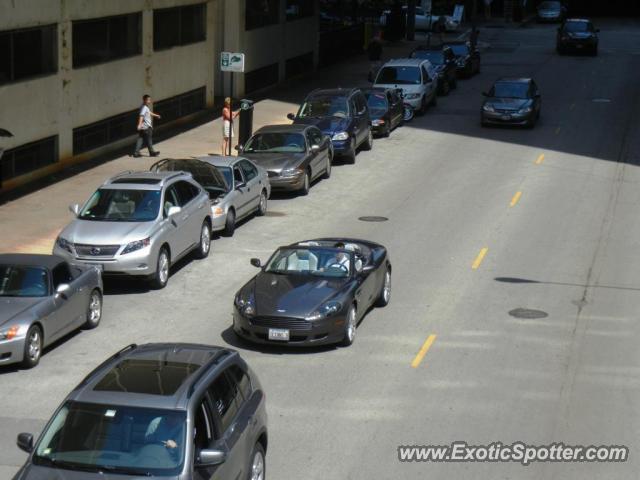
{"x":54,"y":53}
{"x":179,"y":11}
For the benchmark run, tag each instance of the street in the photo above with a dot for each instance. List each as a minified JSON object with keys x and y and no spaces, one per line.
{"x":481,"y":222}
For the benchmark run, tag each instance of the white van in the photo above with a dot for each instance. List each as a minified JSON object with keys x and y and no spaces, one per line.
{"x":416,"y":77}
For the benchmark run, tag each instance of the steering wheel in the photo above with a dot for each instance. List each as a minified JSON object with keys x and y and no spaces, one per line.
{"x":340,"y":266}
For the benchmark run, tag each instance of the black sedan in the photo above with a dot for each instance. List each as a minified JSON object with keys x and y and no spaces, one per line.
{"x":313,"y":292}
{"x":293,"y":155}
{"x":386,"y":109}
{"x":467,"y":59}
{"x":444,"y":61}
{"x":511,"y":101}
{"x":577,"y":35}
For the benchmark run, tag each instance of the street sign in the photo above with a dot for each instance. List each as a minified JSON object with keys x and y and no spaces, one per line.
{"x":232,"y":62}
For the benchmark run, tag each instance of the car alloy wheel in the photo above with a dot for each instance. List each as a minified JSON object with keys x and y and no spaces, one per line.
{"x":350,"y":327}
{"x":257,"y":466}
{"x":262,"y":206}
{"x":385,"y":292}
{"x":162,"y":269}
{"x":94,"y":310}
{"x":32,"y":347}
{"x":205,"y":241}
{"x":368,"y":143}
{"x":327,"y":171}
{"x":305,"y":184}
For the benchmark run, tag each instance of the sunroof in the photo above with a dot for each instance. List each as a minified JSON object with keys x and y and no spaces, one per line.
{"x":143,"y":181}
{"x":151,"y":377}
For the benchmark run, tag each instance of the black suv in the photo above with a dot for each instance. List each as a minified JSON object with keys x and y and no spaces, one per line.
{"x":178,"y":411}
{"x":444,"y":61}
{"x":343,"y":115}
{"x":578,"y":35}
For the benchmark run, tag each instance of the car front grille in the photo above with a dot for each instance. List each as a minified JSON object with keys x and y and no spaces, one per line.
{"x":96,"y":251}
{"x":282,"y":322}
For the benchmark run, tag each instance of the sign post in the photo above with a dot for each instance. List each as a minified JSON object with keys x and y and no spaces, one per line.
{"x":231,"y":62}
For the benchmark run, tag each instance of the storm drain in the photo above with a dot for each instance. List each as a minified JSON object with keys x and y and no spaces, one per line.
{"x":527,"y":313}
{"x":372,"y":218}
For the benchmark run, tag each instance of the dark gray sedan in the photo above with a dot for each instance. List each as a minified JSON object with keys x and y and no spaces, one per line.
{"x":293,"y":155}
{"x":43,"y":298}
{"x":511,"y":101}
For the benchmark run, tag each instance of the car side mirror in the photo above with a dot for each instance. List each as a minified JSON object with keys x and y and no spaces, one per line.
{"x":62,"y":291}
{"x":256,"y":262}
{"x":25,"y":442}
{"x":210,"y":458}
{"x":368,"y":268}
{"x":291,"y":116}
{"x":75,"y":209}
{"x":240,"y":185}
{"x":315,"y":148}
{"x":174,"y":210}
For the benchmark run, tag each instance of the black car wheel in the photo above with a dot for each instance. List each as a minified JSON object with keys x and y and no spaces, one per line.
{"x":350,"y":326}
{"x":257,"y":464}
{"x":444,"y":88}
{"x":230,"y":223}
{"x":94,"y":310}
{"x":204,"y":246}
{"x":262,"y":206}
{"x":32,"y":347}
{"x":385,"y":291}
{"x":327,"y":168}
{"x":160,"y":278}
{"x":351,"y":156}
{"x":368,"y":143}
{"x":306,"y":184}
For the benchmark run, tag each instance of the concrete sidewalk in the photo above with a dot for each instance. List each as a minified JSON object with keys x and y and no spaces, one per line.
{"x":31,"y":223}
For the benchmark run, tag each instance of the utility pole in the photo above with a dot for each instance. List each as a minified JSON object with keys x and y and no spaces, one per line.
{"x":411,"y":19}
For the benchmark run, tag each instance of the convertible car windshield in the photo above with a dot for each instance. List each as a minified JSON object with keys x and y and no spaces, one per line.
{"x":122,"y":205}
{"x":324,"y":106}
{"x":323,"y":262}
{"x":276,"y":143}
{"x":16,"y":281}
{"x":114,"y":439}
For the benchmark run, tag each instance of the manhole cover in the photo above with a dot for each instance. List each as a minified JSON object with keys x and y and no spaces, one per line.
{"x":373,"y":218}
{"x":601,"y":100}
{"x":271,"y":213}
{"x":528,"y":313}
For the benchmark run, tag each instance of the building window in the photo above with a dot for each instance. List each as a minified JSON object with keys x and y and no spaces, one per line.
{"x":97,"y":134}
{"x":299,"y":65}
{"x":179,"y":26}
{"x":260,"y":13}
{"x":104,"y":39}
{"x":29,"y":157}
{"x":300,"y":9}
{"x":261,"y":78}
{"x":28,"y":53}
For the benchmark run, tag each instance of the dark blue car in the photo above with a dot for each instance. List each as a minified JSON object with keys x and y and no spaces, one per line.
{"x":343,"y":115}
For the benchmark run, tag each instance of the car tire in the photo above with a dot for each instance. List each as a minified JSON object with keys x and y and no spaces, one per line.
{"x":368,"y":143}
{"x":257,"y":463}
{"x":327,"y":169}
{"x":446,"y":88}
{"x":230,"y":223}
{"x":385,"y":290}
{"x":434,"y":100}
{"x":163,"y":267}
{"x":350,"y":327}
{"x":32,"y":347}
{"x":94,"y":310}
{"x":204,"y":245}
{"x":306,"y":184}
{"x":262,"y":206}
{"x":351,"y":156}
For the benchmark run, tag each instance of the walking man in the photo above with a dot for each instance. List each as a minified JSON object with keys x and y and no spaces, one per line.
{"x":145,"y":128}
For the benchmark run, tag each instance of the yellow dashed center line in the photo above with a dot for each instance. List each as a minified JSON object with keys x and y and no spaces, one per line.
{"x":515,"y":199}
{"x":540,"y":159}
{"x":479,"y":258}
{"x":423,"y":351}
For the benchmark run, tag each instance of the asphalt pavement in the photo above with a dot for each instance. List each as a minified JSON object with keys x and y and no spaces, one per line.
{"x":485,"y":227}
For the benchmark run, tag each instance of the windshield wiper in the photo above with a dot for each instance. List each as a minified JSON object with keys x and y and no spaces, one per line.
{"x":79,"y":467}
{"x":124,"y":470}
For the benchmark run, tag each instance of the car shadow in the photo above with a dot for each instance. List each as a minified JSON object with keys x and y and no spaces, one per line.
{"x":232,"y":339}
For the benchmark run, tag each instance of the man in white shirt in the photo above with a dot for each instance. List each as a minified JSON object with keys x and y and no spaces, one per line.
{"x":145,"y":128}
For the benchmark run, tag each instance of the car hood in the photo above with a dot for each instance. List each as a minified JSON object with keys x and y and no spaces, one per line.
{"x":328,"y":125}
{"x":91,"y":232}
{"x":35,"y":472}
{"x":293,"y":295}
{"x":508,"y":103}
{"x":275,"y":161}
{"x":10,"y":307}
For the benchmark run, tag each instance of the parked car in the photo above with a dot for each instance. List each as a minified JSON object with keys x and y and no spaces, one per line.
{"x":444,"y":63}
{"x":512,"y":101}
{"x":577,"y":35}
{"x":416,"y":77}
{"x":237,"y":187}
{"x":386,"y":109}
{"x":170,"y":410}
{"x":139,"y":223}
{"x":341,"y":114}
{"x":551,"y":11}
{"x":313,"y":292}
{"x":423,"y":20}
{"x":467,"y":59}
{"x":42,"y":299}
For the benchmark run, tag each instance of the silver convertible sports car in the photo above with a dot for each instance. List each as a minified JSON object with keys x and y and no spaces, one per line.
{"x":43,"y":298}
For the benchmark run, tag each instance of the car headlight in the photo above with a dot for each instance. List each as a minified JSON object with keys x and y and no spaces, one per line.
{"x":412,"y":96}
{"x":291,"y":172}
{"x":488,"y":108}
{"x":246,"y":307}
{"x":64,"y":244}
{"x":525,"y":110}
{"x":461,"y":62}
{"x":340,"y":136}
{"x":326,"y":310}
{"x":217,"y":211}
{"x":137,"y":245}
{"x":9,"y":333}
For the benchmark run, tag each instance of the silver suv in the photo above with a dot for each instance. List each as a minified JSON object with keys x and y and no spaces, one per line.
{"x":139,"y":223}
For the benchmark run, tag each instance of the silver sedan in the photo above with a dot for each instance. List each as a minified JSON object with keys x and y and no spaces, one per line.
{"x":42,"y":299}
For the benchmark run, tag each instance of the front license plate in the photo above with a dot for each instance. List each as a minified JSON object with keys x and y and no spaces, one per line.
{"x":281,"y":334}
{"x":506,"y":117}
